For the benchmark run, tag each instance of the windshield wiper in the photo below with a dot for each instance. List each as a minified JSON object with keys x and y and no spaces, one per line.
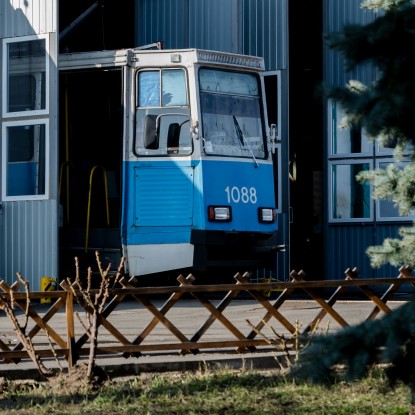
{"x":241,"y":137}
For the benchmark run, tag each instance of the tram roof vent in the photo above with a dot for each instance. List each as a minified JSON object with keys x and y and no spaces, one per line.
{"x":253,"y":62}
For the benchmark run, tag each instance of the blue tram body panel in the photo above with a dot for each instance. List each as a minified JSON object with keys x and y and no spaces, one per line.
{"x":244,"y":187}
{"x":163,"y":196}
{"x":165,"y":200}
{"x":158,"y":204}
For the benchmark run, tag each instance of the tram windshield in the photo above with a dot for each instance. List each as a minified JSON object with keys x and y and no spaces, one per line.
{"x":231,"y":114}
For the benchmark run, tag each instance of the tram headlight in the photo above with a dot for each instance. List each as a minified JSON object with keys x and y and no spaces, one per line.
{"x":219,"y":214}
{"x":266,"y":215}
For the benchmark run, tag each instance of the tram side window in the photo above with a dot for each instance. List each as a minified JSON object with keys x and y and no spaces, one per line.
{"x":162,"y":113}
{"x":24,"y":161}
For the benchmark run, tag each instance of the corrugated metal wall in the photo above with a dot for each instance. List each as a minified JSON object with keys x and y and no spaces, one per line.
{"x":346,"y":244}
{"x":214,"y":25}
{"x":26,"y":17}
{"x":255,"y":27}
{"x":162,"y":20}
{"x":265,"y":31}
{"x":31,"y":241}
{"x":28,"y":229}
{"x":346,"y":250}
{"x":338,"y":13}
{"x":347,"y":247}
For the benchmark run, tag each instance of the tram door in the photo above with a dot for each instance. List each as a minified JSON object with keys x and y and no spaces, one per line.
{"x":276,"y":89}
{"x":90,"y":138}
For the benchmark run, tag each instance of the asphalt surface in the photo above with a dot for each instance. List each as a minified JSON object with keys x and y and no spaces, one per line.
{"x":187,"y":315}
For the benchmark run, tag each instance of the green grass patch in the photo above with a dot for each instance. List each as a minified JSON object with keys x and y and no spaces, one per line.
{"x":219,"y":392}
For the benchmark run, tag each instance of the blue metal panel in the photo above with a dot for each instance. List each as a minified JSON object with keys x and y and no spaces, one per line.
{"x":163,"y":20}
{"x":384,"y":231}
{"x":265,"y":31}
{"x":337,"y":14}
{"x":213,"y":25}
{"x":253,"y":27}
{"x":346,"y":249}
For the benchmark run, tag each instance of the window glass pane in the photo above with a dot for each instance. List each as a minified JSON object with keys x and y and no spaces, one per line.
{"x":20,"y":145}
{"x":351,"y":199}
{"x":159,"y":129}
{"x":388,"y":148}
{"x":161,"y":132}
{"x":26,"y":76}
{"x":231,"y":114}
{"x":25,"y":160}
{"x":347,"y":140}
{"x":387,"y":208}
{"x":149,"y":89}
{"x":227,"y":82}
{"x":174,"y":91}
{"x":173,"y":88}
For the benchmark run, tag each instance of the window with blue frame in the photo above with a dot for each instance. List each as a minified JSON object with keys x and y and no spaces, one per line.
{"x":386,"y":209}
{"x":350,"y":199}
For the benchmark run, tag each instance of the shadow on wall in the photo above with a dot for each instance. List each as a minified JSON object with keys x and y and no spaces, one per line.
{"x":14,"y":21}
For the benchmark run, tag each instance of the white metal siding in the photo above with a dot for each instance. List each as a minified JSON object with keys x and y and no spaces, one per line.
{"x":27,"y":17}
{"x":30,"y":234}
{"x":29,"y":229}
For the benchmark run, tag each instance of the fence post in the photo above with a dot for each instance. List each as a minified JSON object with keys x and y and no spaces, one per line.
{"x":70,"y":329}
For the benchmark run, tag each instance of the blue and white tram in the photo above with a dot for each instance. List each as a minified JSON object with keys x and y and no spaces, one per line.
{"x":196,"y":176}
{"x":198,"y":169}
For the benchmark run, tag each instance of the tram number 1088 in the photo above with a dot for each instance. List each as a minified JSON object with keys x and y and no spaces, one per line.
{"x":241,"y":195}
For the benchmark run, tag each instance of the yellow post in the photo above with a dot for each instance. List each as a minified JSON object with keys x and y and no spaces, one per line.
{"x":47,"y":284}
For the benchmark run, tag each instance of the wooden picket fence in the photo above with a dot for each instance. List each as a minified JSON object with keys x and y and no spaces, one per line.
{"x":57,"y":330}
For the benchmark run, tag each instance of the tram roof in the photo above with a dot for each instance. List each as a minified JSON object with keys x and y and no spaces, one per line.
{"x":139,"y":57}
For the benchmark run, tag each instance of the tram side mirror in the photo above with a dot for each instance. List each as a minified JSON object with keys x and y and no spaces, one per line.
{"x":151,"y":138}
